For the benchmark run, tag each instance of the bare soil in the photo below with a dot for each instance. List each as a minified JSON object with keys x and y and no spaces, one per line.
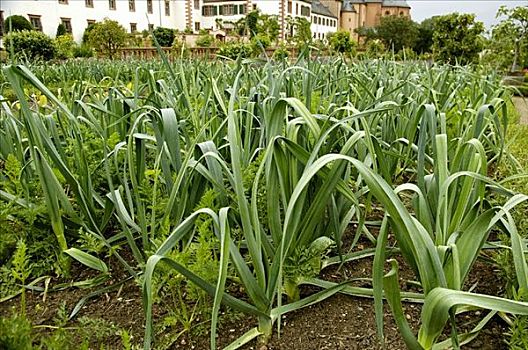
{"x":340,"y":322}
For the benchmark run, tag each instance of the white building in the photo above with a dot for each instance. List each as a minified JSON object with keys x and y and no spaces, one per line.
{"x":76,"y":15}
{"x":138,"y":15}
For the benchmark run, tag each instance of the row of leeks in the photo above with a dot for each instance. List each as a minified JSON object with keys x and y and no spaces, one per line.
{"x":327,"y":142}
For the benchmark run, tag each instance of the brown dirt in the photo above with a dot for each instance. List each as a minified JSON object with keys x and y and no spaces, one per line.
{"x":521,"y":104}
{"x":340,"y":322}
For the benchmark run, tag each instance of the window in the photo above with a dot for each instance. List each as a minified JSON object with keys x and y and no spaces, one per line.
{"x":112,"y":4}
{"x":227,"y":10}
{"x":88,"y":3}
{"x":289,"y":7}
{"x":132,"y":5}
{"x":167,"y":8}
{"x":305,"y":11}
{"x":209,"y":10}
{"x":151,"y":26}
{"x":149,"y":6}
{"x":296,"y":9}
{"x":64,"y":2}
{"x":401,"y":13}
{"x":133,"y":27}
{"x":387,"y":13}
{"x":197,"y":26}
{"x":90,"y":22}
{"x":67,"y":24}
{"x":242,"y":9}
{"x":196,"y":4}
{"x":318,"y":20}
{"x":35,"y":22}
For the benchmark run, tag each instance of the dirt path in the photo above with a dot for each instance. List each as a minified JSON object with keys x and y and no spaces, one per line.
{"x":522,"y":107}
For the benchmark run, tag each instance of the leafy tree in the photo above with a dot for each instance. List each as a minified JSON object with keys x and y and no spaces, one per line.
{"x":61,"y":30}
{"x":458,"y":37}
{"x":397,"y":32}
{"x":514,"y":30}
{"x":268,"y":25}
{"x":31,"y":44}
{"x":424,"y":42}
{"x":17,"y":23}
{"x":341,"y":42}
{"x":302,"y":32}
{"x":255,"y":23}
{"x":367,"y":33}
{"x":164,"y":36}
{"x":107,"y":37}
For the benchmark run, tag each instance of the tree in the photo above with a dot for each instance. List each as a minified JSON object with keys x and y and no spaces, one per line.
{"x":458,"y":37}
{"x":16,"y":23}
{"x":366,"y":33}
{"x":107,"y":37}
{"x":164,"y":36}
{"x":268,"y":25}
{"x":424,"y":42}
{"x":61,"y":30}
{"x":302,"y":33}
{"x":397,"y":32}
{"x":514,"y":29}
{"x":341,"y":42}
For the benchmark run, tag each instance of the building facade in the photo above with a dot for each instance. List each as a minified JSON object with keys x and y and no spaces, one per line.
{"x":325,"y":16}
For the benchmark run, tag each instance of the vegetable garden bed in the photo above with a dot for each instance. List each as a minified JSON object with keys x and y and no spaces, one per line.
{"x":222,"y":204}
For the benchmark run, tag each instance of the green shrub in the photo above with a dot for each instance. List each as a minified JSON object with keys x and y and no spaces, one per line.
{"x":204,"y":39}
{"x":235,"y":50}
{"x":16,"y":23}
{"x":86,"y":33}
{"x":179,"y":49}
{"x":375,"y":49}
{"x":61,"y":30}
{"x":405,"y":54}
{"x":281,"y":53}
{"x":164,"y":36}
{"x":31,"y":45}
{"x":83,"y":51}
{"x":259,"y":43}
{"x":65,"y":46}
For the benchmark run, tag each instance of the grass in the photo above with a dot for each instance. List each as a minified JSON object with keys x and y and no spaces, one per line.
{"x":212,"y":174}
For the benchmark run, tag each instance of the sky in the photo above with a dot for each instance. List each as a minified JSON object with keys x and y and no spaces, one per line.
{"x":484,"y":9}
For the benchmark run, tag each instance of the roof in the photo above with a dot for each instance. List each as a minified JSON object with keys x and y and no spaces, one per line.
{"x":395,"y":3}
{"x":320,"y":9}
{"x":348,"y":6}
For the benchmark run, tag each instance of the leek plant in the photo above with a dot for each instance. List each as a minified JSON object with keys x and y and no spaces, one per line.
{"x":292,"y":155}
